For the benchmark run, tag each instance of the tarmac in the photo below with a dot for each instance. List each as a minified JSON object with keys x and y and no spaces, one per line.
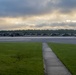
{"x":52,"y":65}
{"x":68,"y":40}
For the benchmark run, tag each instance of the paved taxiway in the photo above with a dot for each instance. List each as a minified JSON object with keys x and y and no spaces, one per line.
{"x":71,"y":40}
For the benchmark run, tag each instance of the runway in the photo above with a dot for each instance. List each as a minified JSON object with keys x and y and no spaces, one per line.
{"x":71,"y":40}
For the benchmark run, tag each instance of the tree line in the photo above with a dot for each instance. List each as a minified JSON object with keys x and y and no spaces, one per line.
{"x":14,"y":33}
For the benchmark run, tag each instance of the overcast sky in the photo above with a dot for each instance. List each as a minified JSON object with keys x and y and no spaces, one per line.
{"x":37,"y":14}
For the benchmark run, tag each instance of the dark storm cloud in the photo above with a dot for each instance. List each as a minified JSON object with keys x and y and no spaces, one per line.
{"x":67,"y":6}
{"x":34,"y":7}
{"x":21,"y":7}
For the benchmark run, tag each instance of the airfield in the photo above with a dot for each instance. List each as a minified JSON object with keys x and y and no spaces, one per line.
{"x":50,"y":59}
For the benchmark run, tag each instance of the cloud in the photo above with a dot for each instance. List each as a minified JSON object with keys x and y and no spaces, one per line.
{"x":35,"y":7}
{"x":50,"y":21}
{"x":67,"y":6}
{"x":21,"y":7}
{"x":57,"y":24}
{"x":37,"y":14}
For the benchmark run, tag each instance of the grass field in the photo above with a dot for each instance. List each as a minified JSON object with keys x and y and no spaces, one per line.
{"x":21,"y":59}
{"x":67,"y":54}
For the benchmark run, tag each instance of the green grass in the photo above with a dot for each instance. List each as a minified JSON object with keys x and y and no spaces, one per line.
{"x":21,"y":59}
{"x":67,"y":54}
